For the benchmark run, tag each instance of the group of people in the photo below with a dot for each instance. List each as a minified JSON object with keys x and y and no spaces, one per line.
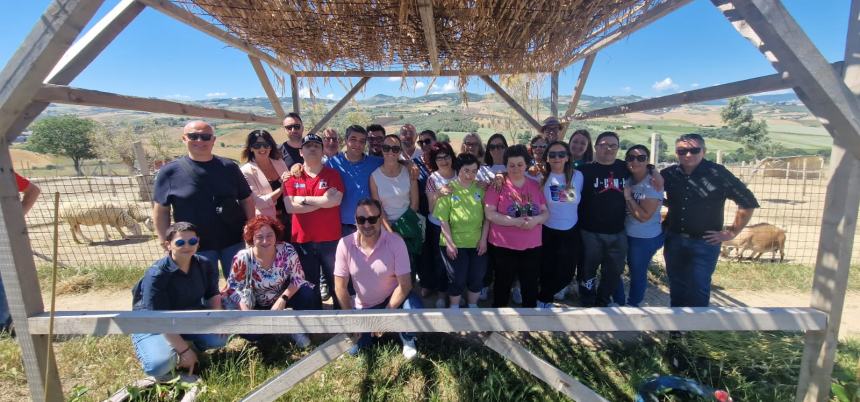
{"x":381,"y":220}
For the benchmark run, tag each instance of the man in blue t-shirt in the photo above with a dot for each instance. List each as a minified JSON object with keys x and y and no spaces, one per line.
{"x":206,"y":190}
{"x":355,"y":168}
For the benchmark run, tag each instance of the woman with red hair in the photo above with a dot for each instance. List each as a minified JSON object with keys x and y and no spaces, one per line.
{"x":267,"y":274}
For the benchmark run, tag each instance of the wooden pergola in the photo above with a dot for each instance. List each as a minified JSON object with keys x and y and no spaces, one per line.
{"x":49,"y":59}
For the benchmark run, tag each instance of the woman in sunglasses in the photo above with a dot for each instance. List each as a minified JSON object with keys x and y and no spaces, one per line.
{"x":180,"y":280}
{"x":494,"y":157}
{"x":644,"y":197}
{"x":263,"y":168}
{"x":562,"y":188}
{"x":267,"y":274}
{"x":392,"y":185}
{"x":537,"y":149}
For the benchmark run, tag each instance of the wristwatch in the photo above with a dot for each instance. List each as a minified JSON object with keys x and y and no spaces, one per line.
{"x":285,"y":298}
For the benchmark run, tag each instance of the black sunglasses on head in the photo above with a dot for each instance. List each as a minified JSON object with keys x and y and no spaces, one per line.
{"x":640,"y":158}
{"x":391,"y":148}
{"x":691,"y":151}
{"x":361,"y":220}
{"x":198,"y":136}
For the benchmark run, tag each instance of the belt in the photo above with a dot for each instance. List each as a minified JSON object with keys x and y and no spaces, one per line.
{"x":690,"y":236}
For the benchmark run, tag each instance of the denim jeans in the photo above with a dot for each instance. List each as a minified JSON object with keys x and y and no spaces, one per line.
{"x":5,"y":315}
{"x":317,"y":260}
{"x":606,"y":251}
{"x":159,"y":359}
{"x":224,"y":255}
{"x":690,"y":262}
{"x":412,"y":302}
{"x":347,"y":229}
{"x":639,"y":254}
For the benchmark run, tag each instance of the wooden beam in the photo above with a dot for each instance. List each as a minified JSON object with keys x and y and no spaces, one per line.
{"x":511,"y":102}
{"x":22,"y":76}
{"x":298,"y":371}
{"x":297,"y":99}
{"x":425,"y":10}
{"x":645,"y":19}
{"x":756,"y":85}
{"x":555,"y":378}
{"x":401,"y":73}
{"x":349,"y":95}
{"x":836,"y":243}
{"x":170,"y":9}
{"x":553,"y":94}
{"x":267,"y":87}
{"x":769,"y":27}
{"x":437,"y":320}
{"x":577,"y":92}
{"x":89,"y":97}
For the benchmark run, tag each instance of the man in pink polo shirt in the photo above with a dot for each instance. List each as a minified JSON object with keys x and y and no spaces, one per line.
{"x":378,"y":263}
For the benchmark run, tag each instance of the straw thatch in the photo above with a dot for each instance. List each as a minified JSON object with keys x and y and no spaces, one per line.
{"x":477,"y":36}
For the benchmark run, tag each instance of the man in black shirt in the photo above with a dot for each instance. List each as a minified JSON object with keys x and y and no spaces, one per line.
{"x":292,"y":147}
{"x":601,"y":221}
{"x":205,"y":190}
{"x":696,"y":193}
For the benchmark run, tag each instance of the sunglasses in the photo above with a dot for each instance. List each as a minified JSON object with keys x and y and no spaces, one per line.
{"x":471,"y":144}
{"x":196,"y":137}
{"x":556,"y":155}
{"x":425,"y":142}
{"x":391,"y":148}
{"x":685,"y":151}
{"x":259,"y":145}
{"x":640,"y":158}
{"x":293,"y":127}
{"x":493,"y":147}
{"x":361,"y":220}
{"x":541,"y":146}
{"x":191,"y":242}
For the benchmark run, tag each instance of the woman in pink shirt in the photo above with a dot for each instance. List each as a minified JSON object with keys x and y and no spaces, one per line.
{"x":516,"y":212}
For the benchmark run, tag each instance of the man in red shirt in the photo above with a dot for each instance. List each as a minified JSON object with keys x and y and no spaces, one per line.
{"x":314,"y":203}
{"x":31,"y":193}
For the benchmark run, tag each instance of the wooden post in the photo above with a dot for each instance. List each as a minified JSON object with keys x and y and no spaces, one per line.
{"x":577,"y":92}
{"x":511,"y":102}
{"x":720,"y":156}
{"x":297,"y":102}
{"x":553,"y":95}
{"x":267,"y":87}
{"x":803,"y":190}
{"x":787,"y":171}
{"x":346,"y":98}
{"x":143,"y":179}
{"x":655,"y":148}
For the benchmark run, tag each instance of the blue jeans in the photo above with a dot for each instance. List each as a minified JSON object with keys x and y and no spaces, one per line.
{"x":159,"y":359}
{"x":412,"y":302}
{"x":347,"y":229}
{"x":224,"y":255}
{"x":318,"y":260}
{"x":5,"y":315}
{"x":639,"y":254}
{"x":690,"y":262}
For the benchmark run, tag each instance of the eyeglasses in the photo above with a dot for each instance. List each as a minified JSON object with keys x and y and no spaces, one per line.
{"x":493,"y":147}
{"x":442,"y":157}
{"x":691,"y":151}
{"x":361,"y":220}
{"x":640,"y":158}
{"x":332,"y":139}
{"x":293,"y":127}
{"x":556,"y":155}
{"x":541,"y":146}
{"x":391,"y":148}
{"x":198,"y":136}
{"x":191,"y":242}
{"x":258,"y":145}
{"x":471,"y":144}
{"x":425,"y":142}
{"x":608,"y":146}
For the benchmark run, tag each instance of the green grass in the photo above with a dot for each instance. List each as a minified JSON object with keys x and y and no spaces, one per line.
{"x":771,"y":276}
{"x":92,"y":277}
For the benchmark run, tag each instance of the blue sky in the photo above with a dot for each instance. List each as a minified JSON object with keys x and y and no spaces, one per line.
{"x":694,"y":46}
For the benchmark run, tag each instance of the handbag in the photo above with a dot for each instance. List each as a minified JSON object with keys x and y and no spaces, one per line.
{"x":247,"y":293}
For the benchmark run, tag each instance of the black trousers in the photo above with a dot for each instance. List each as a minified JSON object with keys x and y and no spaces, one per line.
{"x":516,"y":264}
{"x":558,"y":260}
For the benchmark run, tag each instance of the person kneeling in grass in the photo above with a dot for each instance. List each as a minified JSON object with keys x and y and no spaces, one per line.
{"x":378,"y":263}
{"x":180,"y":280}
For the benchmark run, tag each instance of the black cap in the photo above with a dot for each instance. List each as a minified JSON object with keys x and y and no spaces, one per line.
{"x":312,"y":138}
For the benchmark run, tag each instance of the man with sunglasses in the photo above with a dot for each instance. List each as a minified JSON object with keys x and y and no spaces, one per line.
{"x":207,"y":191}
{"x":292,"y":147}
{"x":551,"y":129}
{"x":378,"y":263}
{"x":375,"y":135}
{"x":696,"y":193}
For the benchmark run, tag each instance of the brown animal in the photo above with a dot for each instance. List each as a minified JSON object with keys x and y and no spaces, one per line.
{"x":760,"y":238}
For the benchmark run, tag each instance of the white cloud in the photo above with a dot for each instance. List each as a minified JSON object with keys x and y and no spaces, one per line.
{"x":330,"y":96}
{"x":420,"y":84}
{"x":178,"y":97}
{"x":394,"y":79}
{"x":627,"y":89}
{"x":664,"y":85}
{"x":216,"y":94}
{"x":304,"y":92}
{"x":448,"y":87}
{"x":694,"y":85}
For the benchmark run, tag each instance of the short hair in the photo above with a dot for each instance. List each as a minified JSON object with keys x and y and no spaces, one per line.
{"x":256,"y":223}
{"x":437,"y":149}
{"x":375,"y":127}
{"x":465,"y":159}
{"x":178,"y":227}
{"x":331,"y":130}
{"x":354,"y":128}
{"x":431,"y":133}
{"x":607,"y":134}
{"x":639,"y":147}
{"x":692,"y":137}
{"x":368,"y":202}
{"x":488,"y":159}
{"x":295,"y":116}
{"x":520,"y":150}
{"x":274,"y":150}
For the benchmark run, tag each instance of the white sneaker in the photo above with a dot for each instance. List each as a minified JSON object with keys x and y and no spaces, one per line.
{"x":409,"y":351}
{"x":301,"y":340}
{"x":544,"y":306}
{"x":561,"y":294}
{"x":517,"y":296}
{"x":485,"y":293}
{"x":440,"y":303}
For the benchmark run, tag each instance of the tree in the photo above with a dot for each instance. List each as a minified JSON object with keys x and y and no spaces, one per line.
{"x":116,"y":143}
{"x":66,"y":135}
{"x":751,"y":133}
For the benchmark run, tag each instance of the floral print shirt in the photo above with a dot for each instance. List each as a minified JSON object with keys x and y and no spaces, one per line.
{"x":268,"y":283}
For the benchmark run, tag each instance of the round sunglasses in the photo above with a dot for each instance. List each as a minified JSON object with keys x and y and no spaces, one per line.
{"x":181,"y":242}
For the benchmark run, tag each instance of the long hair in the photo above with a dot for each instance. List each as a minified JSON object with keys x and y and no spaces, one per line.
{"x":248,"y":154}
{"x":488,"y":159}
{"x":568,"y":166}
{"x":588,"y":156}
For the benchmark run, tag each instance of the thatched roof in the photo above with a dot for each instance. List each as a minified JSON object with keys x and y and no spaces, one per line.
{"x":472,"y":36}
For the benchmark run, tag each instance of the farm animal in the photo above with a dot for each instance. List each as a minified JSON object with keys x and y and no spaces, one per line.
{"x":141,"y":215}
{"x":760,"y":238}
{"x":99,"y":213}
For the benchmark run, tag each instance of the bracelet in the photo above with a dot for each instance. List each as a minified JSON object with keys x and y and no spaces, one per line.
{"x":183,"y":352}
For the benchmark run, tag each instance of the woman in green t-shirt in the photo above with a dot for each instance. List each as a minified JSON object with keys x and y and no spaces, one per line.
{"x":464,"y":232}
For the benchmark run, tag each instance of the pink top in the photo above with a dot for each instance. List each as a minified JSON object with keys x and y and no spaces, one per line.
{"x":516,"y":202}
{"x":374,"y":274}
